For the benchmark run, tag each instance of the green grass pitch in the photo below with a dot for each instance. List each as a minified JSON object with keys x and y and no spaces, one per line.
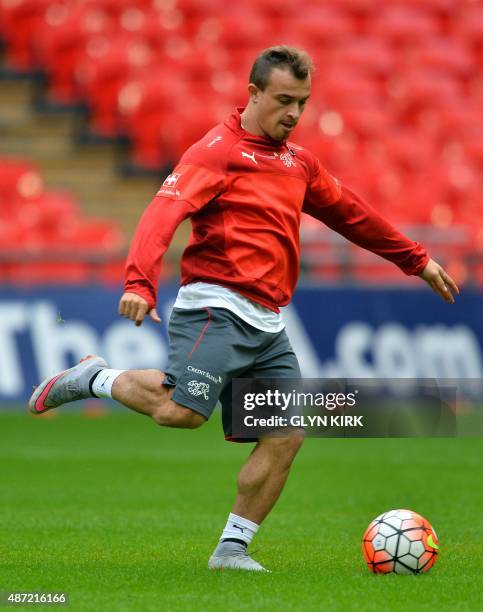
{"x":123,"y":515}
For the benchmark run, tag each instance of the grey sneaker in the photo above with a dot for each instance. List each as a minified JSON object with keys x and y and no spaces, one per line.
{"x":67,"y":386}
{"x":231,"y":555}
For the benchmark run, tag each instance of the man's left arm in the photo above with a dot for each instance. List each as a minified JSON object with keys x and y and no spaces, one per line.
{"x":346,"y":213}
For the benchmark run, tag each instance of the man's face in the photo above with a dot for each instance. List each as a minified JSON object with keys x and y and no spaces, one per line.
{"x":278,"y":108}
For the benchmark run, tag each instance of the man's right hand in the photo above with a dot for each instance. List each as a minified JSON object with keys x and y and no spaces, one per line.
{"x":134,"y":307}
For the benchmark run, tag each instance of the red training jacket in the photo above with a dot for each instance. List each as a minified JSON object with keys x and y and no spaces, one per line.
{"x":245,"y":195}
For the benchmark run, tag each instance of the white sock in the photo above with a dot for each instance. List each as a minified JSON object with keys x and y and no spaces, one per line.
{"x":102,"y":385}
{"x":239,"y":528}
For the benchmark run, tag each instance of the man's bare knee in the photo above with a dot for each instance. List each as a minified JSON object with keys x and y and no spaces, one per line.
{"x":195,"y":419}
{"x":292,"y":444}
{"x":284,"y":448}
{"x":171,"y":414}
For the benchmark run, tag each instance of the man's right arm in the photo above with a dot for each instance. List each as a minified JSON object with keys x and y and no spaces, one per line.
{"x":182,"y":194}
{"x":151,"y":240}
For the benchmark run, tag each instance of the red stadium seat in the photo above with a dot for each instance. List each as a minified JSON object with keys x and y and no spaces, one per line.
{"x":277,"y":10}
{"x":321,"y":250}
{"x":51,"y":214}
{"x":357,"y":99}
{"x":412,"y":202}
{"x":19,"y":179}
{"x":461,"y":180}
{"x":146,"y":106}
{"x":93,"y":236}
{"x":367,"y":122}
{"x":47,"y":272}
{"x":200,"y":8}
{"x":453,"y":121}
{"x":416,"y":90}
{"x":60,"y":45}
{"x":19,"y":23}
{"x":42,"y":236}
{"x":113,"y":273}
{"x":10,"y":240}
{"x":108,"y":65}
{"x":336,"y":152}
{"x":473,"y":145}
{"x":409,"y":149}
{"x":468,"y":210}
{"x":371,"y":269}
{"x":157,"y":27}
{"x":4,"y":18}
{"x":442,"y":54}
{"x":320,"y":26}
{"x":403,"y":24}
{"x":468,"y":25}
{"x":347,"y":87}
{"x":444,"y":7}
{"x":235,"y":31}
{"x":28,"y":257}
{"x":368,"y":55}
{"x":358,"y":7}
{"x":12,"y":236}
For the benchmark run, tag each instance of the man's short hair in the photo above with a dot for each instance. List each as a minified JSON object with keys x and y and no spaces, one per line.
{"x":297,"y":61}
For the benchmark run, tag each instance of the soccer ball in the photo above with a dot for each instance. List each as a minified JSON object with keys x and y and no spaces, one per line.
{"x":400,"y":542}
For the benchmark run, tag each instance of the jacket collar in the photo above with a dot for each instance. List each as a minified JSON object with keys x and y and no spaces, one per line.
{"x":234,"y":123}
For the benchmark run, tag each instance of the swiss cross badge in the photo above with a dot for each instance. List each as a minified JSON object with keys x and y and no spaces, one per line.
{"x":171,"y":180}
{"x":287,"y":160}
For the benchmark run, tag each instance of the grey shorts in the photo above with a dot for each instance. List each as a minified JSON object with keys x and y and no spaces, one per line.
{"x":209,"y":347}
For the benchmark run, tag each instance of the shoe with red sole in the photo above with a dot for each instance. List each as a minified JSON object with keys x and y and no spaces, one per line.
{"x":67,"y":386}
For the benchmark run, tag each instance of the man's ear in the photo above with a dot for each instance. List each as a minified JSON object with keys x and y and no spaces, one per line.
{"x":253,"y":92}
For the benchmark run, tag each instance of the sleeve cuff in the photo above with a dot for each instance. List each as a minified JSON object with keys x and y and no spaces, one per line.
{"x":143,"y":292}
{"x":417,"y":268}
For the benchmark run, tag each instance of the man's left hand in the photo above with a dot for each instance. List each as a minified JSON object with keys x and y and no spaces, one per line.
{"x":440,"y":281}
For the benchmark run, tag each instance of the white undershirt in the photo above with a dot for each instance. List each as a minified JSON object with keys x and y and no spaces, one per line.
{"x":201,"y":295}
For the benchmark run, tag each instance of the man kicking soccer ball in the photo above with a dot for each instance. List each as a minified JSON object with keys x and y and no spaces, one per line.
{"x":244,"y":186}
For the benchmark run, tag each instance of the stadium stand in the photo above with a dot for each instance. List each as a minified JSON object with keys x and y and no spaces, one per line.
{"x":44,"y":237}
{"x":396,"y":110}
